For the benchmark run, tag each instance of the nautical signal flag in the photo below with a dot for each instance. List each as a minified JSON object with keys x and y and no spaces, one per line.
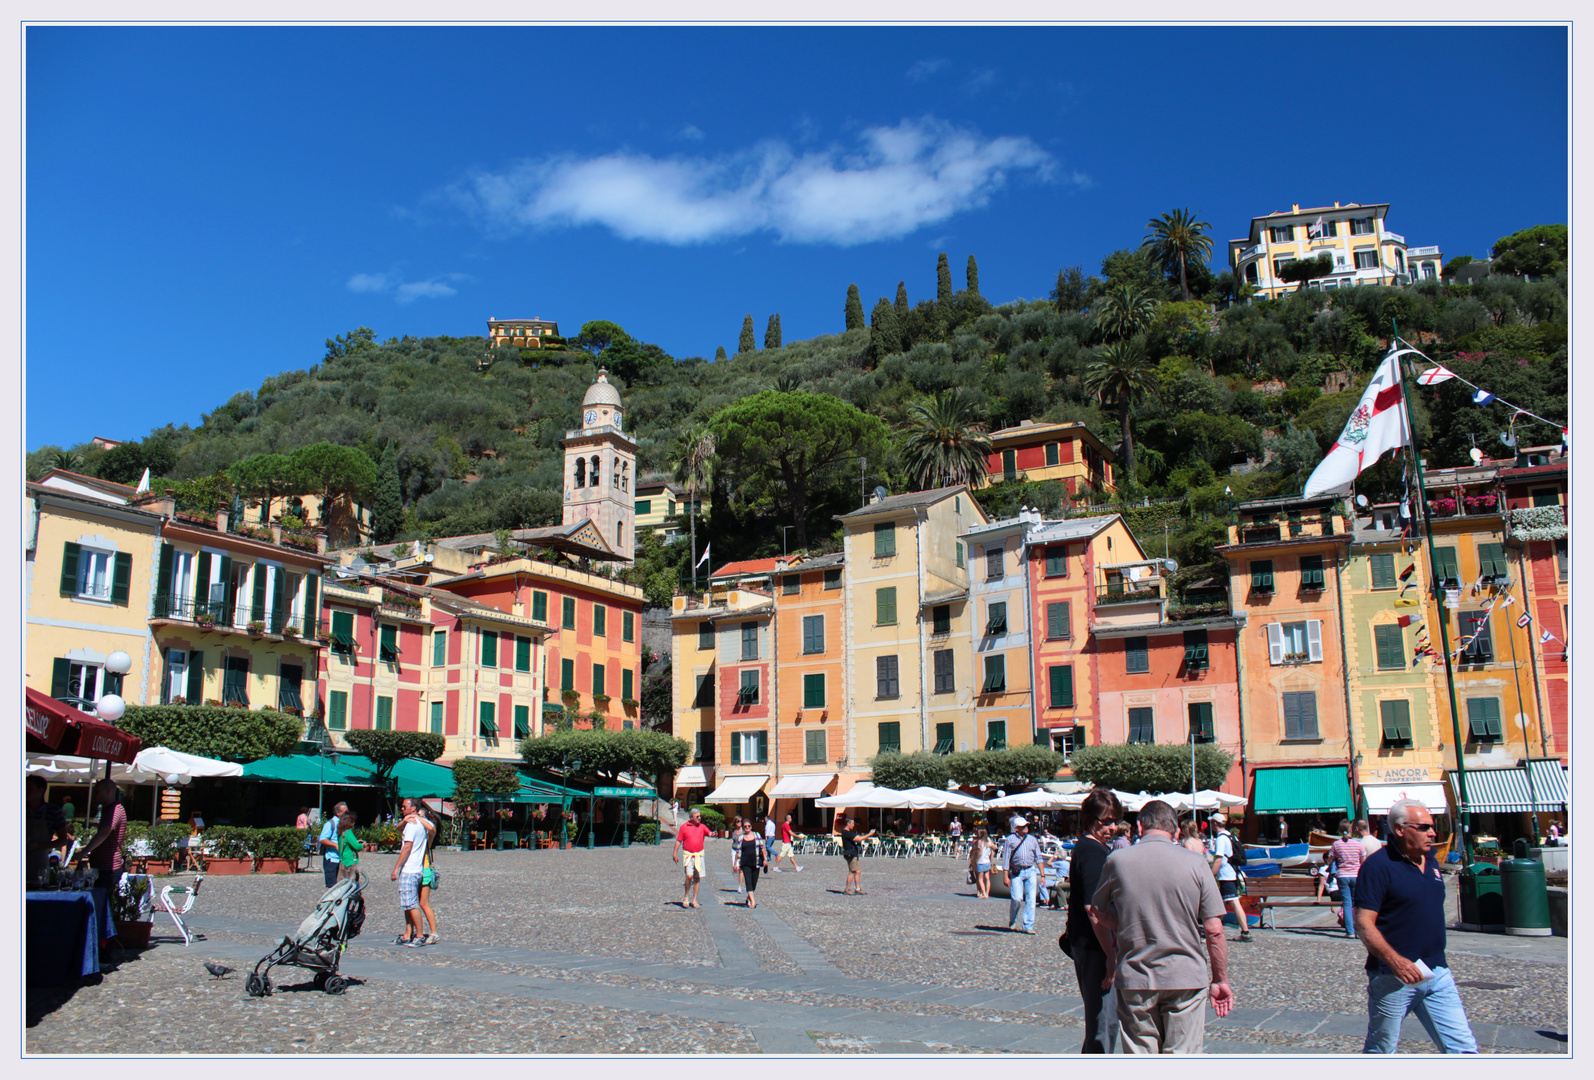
{"x":1406,"y":573}
{"x":1544,"y":636}
{"x":1377,"y":424}
{"x":1482,"y":397}
{"x":1525,"y":621}
{"x":1435,"y":375}
{"x":1404,"y":620}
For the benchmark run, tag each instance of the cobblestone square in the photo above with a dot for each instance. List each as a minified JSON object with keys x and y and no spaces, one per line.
{"x":590,"y":952}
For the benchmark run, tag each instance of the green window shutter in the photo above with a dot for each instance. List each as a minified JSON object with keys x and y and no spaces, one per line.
{"x":1483,"y":716}
{"x":202,"y":581}
{"x":945,"y":734}
{"x":1383,"y":567}
{"x":1142,"y":725}
{"x":69,"y":561}
{"x":995,"y":675}
{"x":600,"y":620}
{"x":387,"y":643}
{"x":1057,"y":561}
{"x":813,"y":634}
{"x":814,"y":691}
{"x":312,"y":614}
{"x":437,"y":718}
{"x":1312,"y":572}
{"x":815,"y":748}
{"x":1262,"y":575}
{"x":567,"y":675}
{"x":61,"y":677}
{"x":569,"y":612}
{"x":736,"y":749}
{"x":195,"y":693}
{"x":1053,"y":457}
{"x":941,"y":619}
{"x":597,"y":680}
{"x":337,"y":709}
{"x":705,"y":635}
{"x":627,"y":684}
{"x":996,"y":618}
{"x":885,"y":539}
{"x":489,"y":653}
{"x":343,"y":629}
{"x":1201,"y":720}
{"x":522,"y":654}
{"x":384,"y":714}
{"x":1395,"y":717}
{"x":1137,"y":655}
{"x":121,"y":577}
{"x":890,"y":735}
{"x":1390,"y":644}
{"x":960,"y":554}
{"x":489,"y":721}
{"x":439,"y":648}
{"x":1448,"y":566}
{"x":279,"y":600}
{"x":522,"y":721}
{"x":1491,"y":560}
{"x":628,"y":626}
{"x":1009,"y":465}
{"x":163,"y":581}
{"x":539,"y":606}
{"x":289,"y":678}
{"x":763,"y":747}
{"x":257,"y":606}
{"x":1062,"y":680}
{"x":1057,"y":619}
{"x":235,"y":680}
{"x":885,"y":606}
{"x":644,"y":506}
{"x":996,"y":735}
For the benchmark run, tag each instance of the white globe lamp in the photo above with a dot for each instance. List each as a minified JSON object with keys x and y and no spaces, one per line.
{"x":110,"y":708}
{"x":119,"y":663}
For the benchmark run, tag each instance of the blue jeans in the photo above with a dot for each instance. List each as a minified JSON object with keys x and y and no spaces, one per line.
{"x":1022,"y":890}
{"x":1347,"y":890}
{"x":1436,"y":1002}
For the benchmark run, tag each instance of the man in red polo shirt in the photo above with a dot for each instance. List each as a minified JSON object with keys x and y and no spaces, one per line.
{"x":690,"y":837}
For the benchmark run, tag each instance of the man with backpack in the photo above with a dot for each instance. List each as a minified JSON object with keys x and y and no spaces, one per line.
{"x":1228,"y":858}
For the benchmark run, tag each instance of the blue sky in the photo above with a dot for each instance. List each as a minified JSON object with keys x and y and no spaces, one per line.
{"x":205,"y":206}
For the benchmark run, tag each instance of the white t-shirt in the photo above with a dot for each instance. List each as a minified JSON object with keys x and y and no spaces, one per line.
{"x":415,"y":836}
{"x":769,"y":829}
{"x":1223,"y":847}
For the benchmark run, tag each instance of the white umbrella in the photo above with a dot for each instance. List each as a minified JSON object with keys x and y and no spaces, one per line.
{"x":80,"y":770}
{"x":929,"y":798}
{"x":160,"y":759}
{"x":1036,"y":800}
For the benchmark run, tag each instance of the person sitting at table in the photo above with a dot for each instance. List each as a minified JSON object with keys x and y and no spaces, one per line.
{"x":104,"y":851}
{"x":48,"y":829}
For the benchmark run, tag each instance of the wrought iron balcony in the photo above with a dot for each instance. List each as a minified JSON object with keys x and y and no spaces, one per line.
{"x":1129,"y":592}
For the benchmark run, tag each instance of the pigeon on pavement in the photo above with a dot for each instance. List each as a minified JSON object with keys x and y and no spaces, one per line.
{"x":217,"y":969}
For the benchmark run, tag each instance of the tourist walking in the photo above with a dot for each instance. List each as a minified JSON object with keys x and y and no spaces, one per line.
{"x":1120,"y":835}
{"x":1400,"y":917}
{"x":327,"y":844}
{"x":769,"y":837}
{"x":753,"y":856}
{"x":786,"y":850}
{"x":1190,"y":837}
{"x":1159,"y":919}
{"x":1021,"y":853}
{"x":689,"y":841}
{"x":1223,"y":851}
{"x":1347,"y":855}
{"x":980,"y":864}
{"x":736,"y":858}
{"x":407,"y":872}
{"x":1365,"y":837}
{"x":851,"y":851}
{"x":349,"y":846}
{"x":1096,"y":816}
{"x":423,"y":894}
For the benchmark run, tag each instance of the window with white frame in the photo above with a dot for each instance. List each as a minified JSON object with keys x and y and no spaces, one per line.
{"x":94,"y":573}
{"x":1281,"y":234}
{"x":1295,"y":642}
{"x":85,"y":681}
{"x":175,"y":686}
{"x":1366,"y":259}
{"x":1362,"y":226}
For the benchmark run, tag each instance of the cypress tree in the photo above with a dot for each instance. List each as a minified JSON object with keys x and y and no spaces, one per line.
{"x":388,"y":505}
{"x":885,"y":333}
{"x":902,"y":301}
{"x":974,"y":276}
{"x":854,"y":308}
{"x":746,"y":344}
{"x":772,"y":332}
{"x":719,"y":353}
{"x":943,"y":279}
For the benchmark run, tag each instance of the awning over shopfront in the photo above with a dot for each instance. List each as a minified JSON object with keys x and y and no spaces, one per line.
{"x":56,"y":727}
{"x":692,"y":776}
{"x":738,"y":789}
{"x":1380,"y":797}
{"x":307,"y":769}
{"x":1308,"y":789}
{"x":1505,"y":791}
{"x":802,"y":786}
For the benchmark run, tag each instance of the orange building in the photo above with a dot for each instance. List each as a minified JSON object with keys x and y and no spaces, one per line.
{"x":1536,"y":531}
{"x":810,"y":722}
{"x":1065,"y":452}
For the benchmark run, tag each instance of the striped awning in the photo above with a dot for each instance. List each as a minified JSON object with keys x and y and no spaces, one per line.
{"x":1506,"y":791}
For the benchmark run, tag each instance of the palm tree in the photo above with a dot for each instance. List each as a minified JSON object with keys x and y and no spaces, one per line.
{"x":1124,"y":312}
{"x":944,"y":443}
{"x":67,"y":460}
{"x":694,"y":466}
{"x":1177,"y":239}
{"x":1122,"y":372}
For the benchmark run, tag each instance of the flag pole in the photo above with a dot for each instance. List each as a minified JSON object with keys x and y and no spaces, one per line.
{"x":1465,"y":809}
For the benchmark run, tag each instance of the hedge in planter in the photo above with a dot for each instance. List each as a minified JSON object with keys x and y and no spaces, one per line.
{"x":1147,"y":767}
{"x":214,"y":731}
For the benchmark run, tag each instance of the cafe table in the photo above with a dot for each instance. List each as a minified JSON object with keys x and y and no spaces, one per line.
{"x":64,"y":930}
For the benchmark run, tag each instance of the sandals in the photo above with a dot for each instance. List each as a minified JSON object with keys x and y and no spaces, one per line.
{"x":430,"y":939}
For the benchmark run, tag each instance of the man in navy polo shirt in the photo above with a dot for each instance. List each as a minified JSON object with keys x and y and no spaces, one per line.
{"x":1400,"y":917}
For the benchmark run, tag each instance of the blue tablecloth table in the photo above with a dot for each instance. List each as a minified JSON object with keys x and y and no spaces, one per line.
{"x":64,"y":932}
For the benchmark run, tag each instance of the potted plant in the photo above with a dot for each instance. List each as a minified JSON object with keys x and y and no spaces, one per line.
{"x":571,"y":696}
{"x":291,"y":630}
{"x":277,"y":851}
{"x":257,"y":627}
{"x":229,"y":850}
{"x":602,"y":700}
{"x":132,"y":911}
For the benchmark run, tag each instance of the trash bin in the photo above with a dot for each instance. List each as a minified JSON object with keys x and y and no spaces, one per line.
{"x":1527,"y":897}
{"x":1482,"y":903}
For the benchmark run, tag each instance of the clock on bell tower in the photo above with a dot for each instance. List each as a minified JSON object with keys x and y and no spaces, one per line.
{"x":600,"y":460}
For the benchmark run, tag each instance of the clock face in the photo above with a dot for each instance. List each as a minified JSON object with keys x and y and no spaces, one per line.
{"x":592,"y":417}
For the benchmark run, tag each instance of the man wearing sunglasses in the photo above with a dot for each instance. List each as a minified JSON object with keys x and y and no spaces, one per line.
{"x":1400,"y":917}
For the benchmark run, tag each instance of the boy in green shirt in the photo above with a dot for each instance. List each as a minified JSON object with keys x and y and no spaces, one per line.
{"x":349,"y":846}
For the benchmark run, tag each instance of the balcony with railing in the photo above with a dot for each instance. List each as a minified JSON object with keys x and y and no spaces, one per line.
{"x":1536,"y":523}
{"x":225,"y":617}
{"x":1275,"y":525}
{"x":1458,"y":504}
{"x":1130,"y":592}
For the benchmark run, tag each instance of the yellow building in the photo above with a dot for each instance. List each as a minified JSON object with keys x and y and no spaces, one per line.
{"x":1355,"y":237}
{"x":663,"y":505}
{"x":907,"y":628}
{"x":1067,"y":453}
{"x":520,"y":333}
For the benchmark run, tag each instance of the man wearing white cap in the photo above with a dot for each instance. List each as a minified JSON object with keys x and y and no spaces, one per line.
{"x":1020,"y":858}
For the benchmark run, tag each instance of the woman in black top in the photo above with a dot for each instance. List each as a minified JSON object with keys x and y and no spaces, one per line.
{"x":854,"y":856}
{"x":1096,"y":817}
{"x":750,"y":859}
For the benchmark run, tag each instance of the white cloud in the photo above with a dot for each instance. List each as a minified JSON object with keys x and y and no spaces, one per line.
{"x":370,"y":282}
{"x":978,"y":80}
{"x":923,"y":69}
{"x":422,"y":290}
{"x":405,"y":292}
{"x":898,"y":179}
{"x":692,"y":132}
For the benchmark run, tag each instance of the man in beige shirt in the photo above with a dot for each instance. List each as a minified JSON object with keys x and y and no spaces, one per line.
{"x":1159,"y":917}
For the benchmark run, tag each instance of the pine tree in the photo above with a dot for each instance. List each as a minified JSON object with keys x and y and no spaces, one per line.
{"x":747,"y":343}
{"x":943,"y":279}
{"x":902,"y":301}
{"x":854,"y":308}
{"x":772,"y":332}
{"x":974,"y":276}
{"x":719,"y":353}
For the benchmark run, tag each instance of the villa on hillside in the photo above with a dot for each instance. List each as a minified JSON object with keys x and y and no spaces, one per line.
{"x":1353,"y":236}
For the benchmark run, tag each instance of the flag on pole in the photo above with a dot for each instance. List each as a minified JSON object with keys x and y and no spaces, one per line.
{"x":1315,"y":229}
{"x":1435,"y":375}
{"x":1404,"y":620}
{"x":1482,"y":397}
{"x":704,"y":559}
{"x":1406,"y":573}
{"x":1377,"y":424}
{"x":1525,"y":621}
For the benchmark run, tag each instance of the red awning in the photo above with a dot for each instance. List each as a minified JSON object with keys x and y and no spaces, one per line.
{"x":57,"y":727}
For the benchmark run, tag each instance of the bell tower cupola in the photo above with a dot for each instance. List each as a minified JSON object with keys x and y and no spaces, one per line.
{"x":600,"y":463}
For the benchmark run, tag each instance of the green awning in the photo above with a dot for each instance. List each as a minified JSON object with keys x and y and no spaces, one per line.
{"x":1310,"y":789}
{"x":306,"y":769}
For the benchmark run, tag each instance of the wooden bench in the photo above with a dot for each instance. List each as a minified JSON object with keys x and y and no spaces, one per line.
{"x":1285,"y":890}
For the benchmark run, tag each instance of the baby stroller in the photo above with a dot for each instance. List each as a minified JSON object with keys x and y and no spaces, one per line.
{"x":319,"y":942}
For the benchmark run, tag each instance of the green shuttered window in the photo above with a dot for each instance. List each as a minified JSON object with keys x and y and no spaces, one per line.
{"x":1390,"y":644}
{"x":1483,"y":719}
{"x":489,"y":656}
{"x":1062,"y":683}
{"x":522,"y":654}
{"x":885,"y":606}
{"x":539,"y":607}
{"x":1395,"y":716}
{"x":1201,"y":721}
{"x":814,"y":690}
{"x":885,"y":539}
{"x":1383,"y":568}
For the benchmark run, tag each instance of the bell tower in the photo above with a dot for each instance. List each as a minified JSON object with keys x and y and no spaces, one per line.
{"x":600,"y":468}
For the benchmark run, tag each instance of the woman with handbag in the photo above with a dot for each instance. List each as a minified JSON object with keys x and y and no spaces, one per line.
{"x":751,"y":857}
{"x":980,"y":864}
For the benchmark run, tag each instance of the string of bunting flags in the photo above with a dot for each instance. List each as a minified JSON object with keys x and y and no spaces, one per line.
{"x":1439,"y":373}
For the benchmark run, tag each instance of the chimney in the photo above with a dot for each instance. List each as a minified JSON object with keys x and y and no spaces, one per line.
{"x":1336,"y":204}
{"x":1295,"y":208}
